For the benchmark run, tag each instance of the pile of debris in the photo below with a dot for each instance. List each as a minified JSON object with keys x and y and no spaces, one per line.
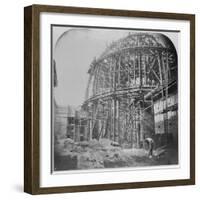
{"x":104,"y":153}
{"x":90,"y":154}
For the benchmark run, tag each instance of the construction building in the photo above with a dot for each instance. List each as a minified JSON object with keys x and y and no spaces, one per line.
{"x":132,"y":92}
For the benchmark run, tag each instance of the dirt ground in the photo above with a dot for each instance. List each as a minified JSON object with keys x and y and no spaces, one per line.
{"x":94,"y":154}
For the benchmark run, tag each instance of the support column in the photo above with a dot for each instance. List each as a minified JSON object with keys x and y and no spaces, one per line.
{"x":119,"y":71}
{"x":138,"y":127}
{"x":161,"y":67}
{"x":141,"y":121}
{"x":160,"y":70}
{"x":109,"y":121}
{"x":91,"y":122}
{"x":128,"y":71}
{"x":140,"y":68}
{"x":114,"y":118}
{"x":139,"y":124}
{"x":145,"y":75}
{"x":153,"y":113}
{"x":117,"y":121}
{"x":132,"y":125}
{"x":166,"y":96}
{"x":134,"y":69}
{"x":135,"y":125}
{"x":90,"y":130}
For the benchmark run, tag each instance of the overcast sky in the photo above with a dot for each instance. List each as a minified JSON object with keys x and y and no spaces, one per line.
{"x":73,"y":50}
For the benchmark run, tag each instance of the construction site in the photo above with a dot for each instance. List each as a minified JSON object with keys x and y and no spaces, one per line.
{"x":131,"y":96}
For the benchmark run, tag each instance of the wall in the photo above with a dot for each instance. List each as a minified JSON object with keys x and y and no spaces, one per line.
{"x":166,"y":122}
{"x":11,"y":101}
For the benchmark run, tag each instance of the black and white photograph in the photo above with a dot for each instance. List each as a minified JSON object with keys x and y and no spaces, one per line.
{"x":114,"y":98}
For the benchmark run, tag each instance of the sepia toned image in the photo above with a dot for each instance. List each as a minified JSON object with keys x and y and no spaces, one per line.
{"x":114,"y":98}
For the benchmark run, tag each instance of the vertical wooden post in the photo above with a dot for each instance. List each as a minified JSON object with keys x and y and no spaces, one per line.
{"x":153,"y":113}
{"x":145,"y":75}
{"x":161,"y":67}
{"x":91,"y":121}
{"x":166,"y":94}
{"x":140,"y":68}
{"x":138,"y":127}
{"x":114,"y":118}
{"x":132,"y":125}
{"x":119,"y":71}
{"x":128,"y":71}
{"x":114,"y":100}
{"x":103,"y":81}
{"x":134,"y":60}
{"x":135,"y":123}
{"x":110,"y":119}
{"x":90,"y":129}
{"x":118,"y":122}
{"x":86,"y":129}
{"x":110,"y":74}
{"x":141,"y":121}
{"x":160,"y":70}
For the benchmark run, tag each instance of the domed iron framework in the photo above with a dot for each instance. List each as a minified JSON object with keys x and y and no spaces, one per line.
{"x":123,"y":85}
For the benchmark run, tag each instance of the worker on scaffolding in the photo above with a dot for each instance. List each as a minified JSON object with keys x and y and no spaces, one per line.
{"x":150,"y":143}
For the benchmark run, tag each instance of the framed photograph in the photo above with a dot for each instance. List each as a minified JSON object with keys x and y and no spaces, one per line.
{"x":109,"y":99}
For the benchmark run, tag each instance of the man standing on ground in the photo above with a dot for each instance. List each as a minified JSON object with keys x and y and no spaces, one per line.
{"x":150,"y":143}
